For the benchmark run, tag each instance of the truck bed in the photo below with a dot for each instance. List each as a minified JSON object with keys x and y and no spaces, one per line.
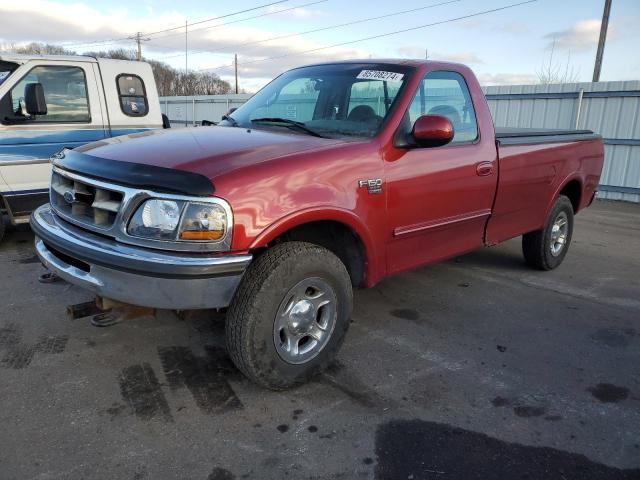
{"x":529,"y":136}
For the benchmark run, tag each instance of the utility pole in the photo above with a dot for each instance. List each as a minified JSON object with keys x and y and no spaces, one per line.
{"x":186,"y":70}
{"x":235,"y":64}
{"x":426,"y":54}
{"x":603,"y":37}
{"x":138,"y":39}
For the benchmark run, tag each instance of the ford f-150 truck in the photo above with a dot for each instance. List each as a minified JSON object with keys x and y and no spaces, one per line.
{"x":48,"y":102}
{"x":332,"y":177}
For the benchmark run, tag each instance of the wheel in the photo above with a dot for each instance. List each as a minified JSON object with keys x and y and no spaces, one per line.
{"x":289,"y":315}
{"x":546,"y":248}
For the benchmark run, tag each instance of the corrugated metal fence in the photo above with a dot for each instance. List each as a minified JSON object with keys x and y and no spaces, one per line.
{"x":611,"y":109}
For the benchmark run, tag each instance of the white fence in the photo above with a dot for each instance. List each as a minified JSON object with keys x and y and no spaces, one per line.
{"x":611,"y":109}
{"x":190,"y":111}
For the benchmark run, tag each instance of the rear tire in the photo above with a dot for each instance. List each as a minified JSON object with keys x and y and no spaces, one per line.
{"x":546,"y":248}
{"x":289,"y":315}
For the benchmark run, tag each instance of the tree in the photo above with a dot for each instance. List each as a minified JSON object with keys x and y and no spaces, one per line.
{"x":555,"y":72}
{"x":169,"y":80}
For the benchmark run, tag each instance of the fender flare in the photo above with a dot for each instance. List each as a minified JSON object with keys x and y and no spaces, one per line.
{"x":320,"y":213}
{"x":561,"y":186}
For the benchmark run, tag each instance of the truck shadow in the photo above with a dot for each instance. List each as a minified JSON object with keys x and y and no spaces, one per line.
{"x":419,"y":449}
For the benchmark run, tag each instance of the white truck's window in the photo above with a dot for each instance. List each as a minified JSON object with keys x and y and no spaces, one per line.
{"x":446,"y":93}
{"x":65,"y":92}
{"x":4,"y":74}
{"x":6,"y":68}
{"x":133,"y":96}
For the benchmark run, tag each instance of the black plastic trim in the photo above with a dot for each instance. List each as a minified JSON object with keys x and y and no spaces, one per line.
{"x":531,"y":136}
{"x":137,"y":175}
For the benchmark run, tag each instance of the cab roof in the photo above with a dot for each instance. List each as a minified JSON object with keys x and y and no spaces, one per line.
{"x":23,"y":58}
{"x":410,"y":62}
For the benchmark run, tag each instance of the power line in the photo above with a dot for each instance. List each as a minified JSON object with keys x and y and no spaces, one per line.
{"x":355,"y":22}
{"x":219,"y":17}
{"x":248,"y":18}
{"x":117,"y":40}
{"x":441,"y":22}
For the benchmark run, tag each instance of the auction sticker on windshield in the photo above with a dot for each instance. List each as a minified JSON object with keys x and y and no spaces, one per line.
{"x":380,"y":75}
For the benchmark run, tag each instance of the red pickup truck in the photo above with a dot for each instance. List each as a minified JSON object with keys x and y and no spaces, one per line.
{"x":333,"y":176}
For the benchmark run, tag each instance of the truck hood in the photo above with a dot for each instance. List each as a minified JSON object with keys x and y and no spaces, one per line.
{"x":208,"y":151}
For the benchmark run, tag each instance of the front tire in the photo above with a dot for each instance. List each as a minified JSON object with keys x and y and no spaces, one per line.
{"x":546,"y":248}
{"x":289,"y":315}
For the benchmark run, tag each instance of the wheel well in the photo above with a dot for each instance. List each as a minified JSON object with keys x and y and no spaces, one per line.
{"x":573,"y":190}
{"x":335,"y":237}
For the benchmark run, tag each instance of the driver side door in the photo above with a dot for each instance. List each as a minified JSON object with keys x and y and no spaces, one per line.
{"x":439,"y":198}
{"x":73,"y":118}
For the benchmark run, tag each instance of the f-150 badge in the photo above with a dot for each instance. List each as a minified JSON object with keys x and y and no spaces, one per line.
{"x":374,"y":185}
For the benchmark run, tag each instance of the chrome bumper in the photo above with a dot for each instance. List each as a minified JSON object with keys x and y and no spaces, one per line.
{"x":139,"y":276}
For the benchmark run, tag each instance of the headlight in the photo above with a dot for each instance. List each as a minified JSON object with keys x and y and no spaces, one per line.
{"x":156,"y":219}
{"x":175,"y":220}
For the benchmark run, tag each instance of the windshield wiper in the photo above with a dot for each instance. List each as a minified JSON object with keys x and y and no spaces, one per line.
{"x":230,"y":119}
{"x":285,"y":122}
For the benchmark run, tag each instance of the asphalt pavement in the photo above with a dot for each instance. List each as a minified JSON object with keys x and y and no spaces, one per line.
{"x":476,"y":368}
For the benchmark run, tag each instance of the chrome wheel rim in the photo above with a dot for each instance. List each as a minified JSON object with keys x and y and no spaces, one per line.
{"x":305,"y":320}
{"x":559,"y":232}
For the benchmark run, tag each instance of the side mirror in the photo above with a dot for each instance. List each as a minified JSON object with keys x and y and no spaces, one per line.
{"x":432,"y":131}
{"x":231,"y":110}
{"x":34,"y":100}
{"x":166,"y":123}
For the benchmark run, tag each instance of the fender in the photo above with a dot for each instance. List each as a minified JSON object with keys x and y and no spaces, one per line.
{"x":561,"y":186}
{"x":328,"y":213}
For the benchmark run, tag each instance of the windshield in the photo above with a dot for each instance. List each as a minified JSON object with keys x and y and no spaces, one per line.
{"x":340,"y":100}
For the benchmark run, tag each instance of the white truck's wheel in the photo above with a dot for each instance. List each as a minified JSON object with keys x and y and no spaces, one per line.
{"x":289,"y":315}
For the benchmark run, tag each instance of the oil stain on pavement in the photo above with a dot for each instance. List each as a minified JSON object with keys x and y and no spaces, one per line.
{"x":608,"y":393}
{"x":206,"y":377}
{"x":416,"y":449}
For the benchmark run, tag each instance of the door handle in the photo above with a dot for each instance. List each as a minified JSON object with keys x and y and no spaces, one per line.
{"x":484,"y":168}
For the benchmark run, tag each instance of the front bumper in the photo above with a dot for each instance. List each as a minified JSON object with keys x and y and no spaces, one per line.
{"x":135,"y":275}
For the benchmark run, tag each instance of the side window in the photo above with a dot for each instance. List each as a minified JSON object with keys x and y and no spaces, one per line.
{"x":132,"y":94}
{"x":65,"y":91}
{"x":446,"y":93}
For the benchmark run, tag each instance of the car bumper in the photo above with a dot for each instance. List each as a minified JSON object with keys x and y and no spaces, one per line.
{"x":150,"y":278}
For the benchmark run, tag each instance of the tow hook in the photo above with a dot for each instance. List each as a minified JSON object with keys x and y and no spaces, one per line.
{"x":105,"y":312}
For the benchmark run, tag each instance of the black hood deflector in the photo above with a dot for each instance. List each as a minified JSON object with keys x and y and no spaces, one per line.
{"x":136,"y":175}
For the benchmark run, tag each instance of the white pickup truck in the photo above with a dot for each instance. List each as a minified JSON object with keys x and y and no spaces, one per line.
{"x":48,"y":103}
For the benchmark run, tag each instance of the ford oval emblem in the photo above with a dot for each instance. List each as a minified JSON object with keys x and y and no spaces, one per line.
{"x":69,"y":196}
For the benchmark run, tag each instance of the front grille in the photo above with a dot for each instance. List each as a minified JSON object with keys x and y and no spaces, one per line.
{"x":83,"y":202}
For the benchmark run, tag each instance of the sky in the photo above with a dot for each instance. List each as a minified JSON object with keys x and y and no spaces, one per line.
{"x":507,"y":46}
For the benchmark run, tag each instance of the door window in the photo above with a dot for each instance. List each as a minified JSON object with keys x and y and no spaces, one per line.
{"x":446,"y":93}
{"x":133,"y":96}
{"x":65,"y":92}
